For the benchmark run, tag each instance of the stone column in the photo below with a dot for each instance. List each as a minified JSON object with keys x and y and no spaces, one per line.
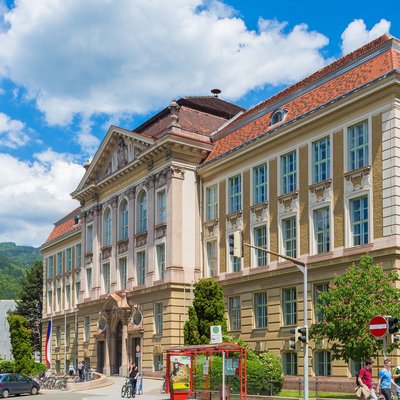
{"x":131,"y":235}
{"x":97,"y":226}
{"x":107,"y":368}
{"x":114,"y":239}
{"x":150,"y":230}
{"x":124,"y":349}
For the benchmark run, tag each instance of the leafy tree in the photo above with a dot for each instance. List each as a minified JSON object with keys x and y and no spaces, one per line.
{"x":20,"y":335}
{"x":31,"y":301}
{"x":208,"y":310}
{"x":364,"y":291}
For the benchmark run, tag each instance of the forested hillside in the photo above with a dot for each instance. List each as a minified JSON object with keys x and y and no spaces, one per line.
{"x":14,"y":260}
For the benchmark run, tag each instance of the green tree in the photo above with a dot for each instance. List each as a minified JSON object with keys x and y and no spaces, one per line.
{"x":20,"y":335}
{"x":31,"y":301}
{"x":208,"y":310}
{"x":352,"y":299}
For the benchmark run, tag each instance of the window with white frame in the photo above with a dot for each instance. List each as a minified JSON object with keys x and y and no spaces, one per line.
{"x":49,"y":301}
{"x":234,"y":313}
{"x":78,"y":255}
{"x":160,"y":254}
{"x":106,"y":278}
{"x":323,"y":365}
{"x":235,"y":193}
{"x":86,"y":328}
{"x":68,"y":259}
{"x":122,"y":273}
{"x":321,"y":160}
{"x":212,"y":258}
{"x":50,"y":267}
{"x":89,"y":281}
{"x":141,"y":225}
{"x":58,"y":294}
{"x":59,"y":263}
{"x":357,"y":145}
{"x":107,"y":227}
{"x":322,"y":230}
{"x":67,"y":334}
{"x":290,"y":363}
{"x":77,"y":291}
{"x":260,"y":184}
{"x":212,"y":202}
{"x":141,"y":267}
{"x":161,"y":216}
{"x":359,"y":221}
{"x":123,"y":220}
{"x":260,"y":240}
{"x":289,"y":236}
{"x":260,"y":310}
{"x":288,"y":173}
{"x":235,"y":262}
{"x":158,"y":317}
{"x":289,"y":304}
{"x":318,"y":289}
{"x":58,"y":336}
{"x":89,"y":239}
{"x":67,"y":296}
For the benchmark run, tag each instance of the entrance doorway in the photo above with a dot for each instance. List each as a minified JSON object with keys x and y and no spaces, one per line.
{"x":100,"y":356}
{"x":118,"y":348}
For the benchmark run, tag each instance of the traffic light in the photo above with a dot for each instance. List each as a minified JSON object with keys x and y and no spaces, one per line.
{"x":302,"y":334}
{"x":294,"y":338}
{"x":231,"y":244}
{"x":237,"y":243}
{"x":393,"y":325}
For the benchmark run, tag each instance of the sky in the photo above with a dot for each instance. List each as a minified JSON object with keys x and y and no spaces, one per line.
{"x":70,"y":69}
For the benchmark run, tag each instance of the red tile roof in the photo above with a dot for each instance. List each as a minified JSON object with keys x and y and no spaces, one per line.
{"x":64,"y":226}
{"x":370,"y":62}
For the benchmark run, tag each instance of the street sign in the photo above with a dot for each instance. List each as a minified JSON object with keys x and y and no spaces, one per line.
{"x":378,"y":326}
{"x":216,"y":334}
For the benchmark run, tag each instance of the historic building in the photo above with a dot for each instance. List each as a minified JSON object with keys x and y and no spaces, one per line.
{"x":311,"y":173}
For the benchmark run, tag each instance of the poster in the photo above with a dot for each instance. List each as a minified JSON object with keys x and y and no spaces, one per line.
{"x":180,"y":372}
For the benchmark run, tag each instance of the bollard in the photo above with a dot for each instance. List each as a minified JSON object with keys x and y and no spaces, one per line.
{"x":316,"y":387}
{"x":299,"y":381}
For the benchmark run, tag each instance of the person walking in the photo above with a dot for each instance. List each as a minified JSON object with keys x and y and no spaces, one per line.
{"x":80,"y":371}
{"x":133,"y":375}
{"x":364,"y":379}
{"x":385,"y":381}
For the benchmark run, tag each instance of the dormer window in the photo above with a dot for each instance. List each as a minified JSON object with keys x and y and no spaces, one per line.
{"x":278,"y":116}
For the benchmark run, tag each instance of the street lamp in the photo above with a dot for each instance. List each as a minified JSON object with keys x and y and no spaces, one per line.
{"x":303,"y":268}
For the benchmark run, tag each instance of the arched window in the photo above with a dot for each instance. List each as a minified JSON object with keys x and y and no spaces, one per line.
{"x":278,"y":116}
{"x":107,"y":223}
{"x":123,"y":220}
{"x":141,"y":212}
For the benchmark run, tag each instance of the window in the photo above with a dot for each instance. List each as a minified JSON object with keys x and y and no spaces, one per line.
{"x":318,"y":289}
{"x":107,"y":228}
{"x":59,"y":264}
{"x":77,"y":292}
{"x":290,"y":363}
{"x":160,"y":253}
{"x":106,"y":278}
{"x":212,"y":258}
{"x":161,"y":207}
{"x":78,"y":255}
{"x":158,"y":362}
{"x":288,"y":173}
{"x":260,"y":184}
{"x":141,"y":267}
{"x":68,"y":260}
{"x":323,"y":365}
{"x":87,"y":329}
{"x":234,"y":313}
{"x":58,"y":336}
{"x":123,"y":220}
{"x":158,"y":317}
{"x":289,"y":306}
{"x":49,"y":301}
{"x":142,"y":212}
{"x":67,"y":296}
{"x":359,"y":220}
{"x":357,"y":144}
{"x":89,"y":280}
{"x":260,"y":310}
{"x":289,"y":236}
{"x":260,"y":240}
{"x":50,"y":267}
{"x":211,"y":202}
{"x":58,"y":299}
{"x":67,"y":334}
{"x":322,"y":230}
{"x":235,"y":193}
{"x":235,"y":262}
{"x":321,"y":160}
{"x":278,"y":116}
{"x":122,"y":273}
{"x":89,"y":239}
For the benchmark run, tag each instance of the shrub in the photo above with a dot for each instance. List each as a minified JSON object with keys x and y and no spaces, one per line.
{"x":7,"y":366}
{"x":39,"y":368}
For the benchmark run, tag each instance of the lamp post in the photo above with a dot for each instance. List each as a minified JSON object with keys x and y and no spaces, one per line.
{"x":303,"y":268}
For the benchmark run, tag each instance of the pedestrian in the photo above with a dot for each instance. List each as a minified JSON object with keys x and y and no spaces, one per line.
{"x":396,"y":377}
{"x":364,"y":379}
{"x":133,"y":375}
{"x":80,"y":370}
{"x":83,"y":378}
{"x":385,"y":381}
{"x":71,"y":369}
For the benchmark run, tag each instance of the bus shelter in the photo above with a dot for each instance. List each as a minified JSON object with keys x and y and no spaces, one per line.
{"x":209,"y":372}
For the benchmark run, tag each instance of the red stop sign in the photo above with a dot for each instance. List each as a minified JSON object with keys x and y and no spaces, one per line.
{"x":378,"y":326}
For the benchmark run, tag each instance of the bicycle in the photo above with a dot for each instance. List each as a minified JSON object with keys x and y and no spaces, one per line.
{"x":126,"y":390}
{"x":163,"y":388}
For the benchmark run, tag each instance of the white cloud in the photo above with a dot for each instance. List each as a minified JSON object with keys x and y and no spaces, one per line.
{"x":12,"y":132}
{"x":356,"y":34}
{"x":35,"y":195}
{"x":132,"y":56}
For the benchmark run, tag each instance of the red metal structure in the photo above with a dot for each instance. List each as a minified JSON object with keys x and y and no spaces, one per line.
{"x":182,"y":373}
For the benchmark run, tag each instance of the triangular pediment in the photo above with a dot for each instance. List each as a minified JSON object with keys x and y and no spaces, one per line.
{"x":118,"y":149}
{"x":115,"y":302}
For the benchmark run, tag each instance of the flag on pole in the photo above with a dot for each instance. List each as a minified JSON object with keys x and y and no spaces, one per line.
{"x":48,"y":344}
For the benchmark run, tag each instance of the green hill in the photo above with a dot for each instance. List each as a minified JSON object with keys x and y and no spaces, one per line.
{"x":14,"y":260}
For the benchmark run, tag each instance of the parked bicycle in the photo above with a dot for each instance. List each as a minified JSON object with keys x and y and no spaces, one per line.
{"x":126,"y":390}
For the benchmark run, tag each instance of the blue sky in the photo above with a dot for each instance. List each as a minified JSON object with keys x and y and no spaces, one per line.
{"x":70,"y":69}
